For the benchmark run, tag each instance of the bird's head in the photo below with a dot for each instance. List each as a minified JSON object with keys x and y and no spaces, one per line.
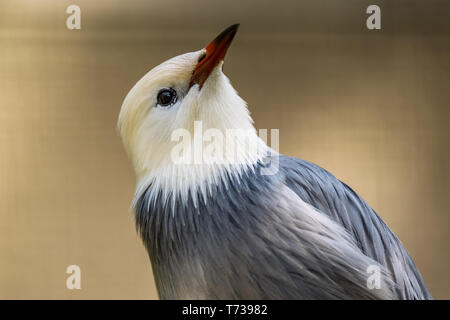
{"x":177,"y":94}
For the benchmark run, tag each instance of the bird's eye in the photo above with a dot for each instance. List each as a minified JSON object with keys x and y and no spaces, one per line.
{"x":166,"y":97}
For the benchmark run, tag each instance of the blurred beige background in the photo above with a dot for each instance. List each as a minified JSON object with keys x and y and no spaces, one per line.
{"x":370,"y":106}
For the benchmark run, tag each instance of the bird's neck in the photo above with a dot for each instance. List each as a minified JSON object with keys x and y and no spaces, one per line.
{"x":189,"y":178}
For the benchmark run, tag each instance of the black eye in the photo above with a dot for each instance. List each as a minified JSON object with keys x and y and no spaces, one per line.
{"x":166,"y":97}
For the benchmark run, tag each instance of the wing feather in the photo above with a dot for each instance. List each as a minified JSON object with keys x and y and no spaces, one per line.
{"x":327,"y":194}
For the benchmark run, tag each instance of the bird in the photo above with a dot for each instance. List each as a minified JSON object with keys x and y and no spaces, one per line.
{"x":254,"y":225}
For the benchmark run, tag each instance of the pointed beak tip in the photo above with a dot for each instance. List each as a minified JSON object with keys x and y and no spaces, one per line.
{"x":226,"y":36}
{"x":235,"y":27}
{"x":215,"y":53}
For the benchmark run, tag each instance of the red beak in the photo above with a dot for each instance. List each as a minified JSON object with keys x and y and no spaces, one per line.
{"x":215,"y":53}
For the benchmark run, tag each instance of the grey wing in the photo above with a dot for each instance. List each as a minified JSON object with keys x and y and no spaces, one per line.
{"x":334,"y":198}
{"x":277,"y":246}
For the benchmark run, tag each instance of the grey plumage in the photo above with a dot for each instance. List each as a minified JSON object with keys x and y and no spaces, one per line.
{"x":298,"y":234}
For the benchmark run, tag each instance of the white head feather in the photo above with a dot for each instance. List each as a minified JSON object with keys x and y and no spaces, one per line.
{"x":146,"y":128}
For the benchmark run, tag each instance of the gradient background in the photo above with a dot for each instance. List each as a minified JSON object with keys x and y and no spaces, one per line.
{"x":370,"y":106}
